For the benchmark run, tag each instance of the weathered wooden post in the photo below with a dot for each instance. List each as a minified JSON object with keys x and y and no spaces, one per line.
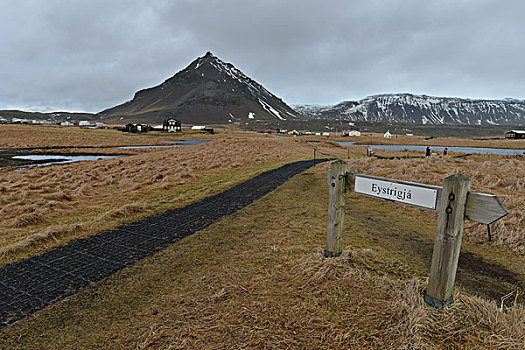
{"x":447,"y":244}
{"x":336,"y":208}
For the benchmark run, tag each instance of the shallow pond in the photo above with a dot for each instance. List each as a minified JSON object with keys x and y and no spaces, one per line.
{"x":48,"y":159}
{"x":25,"y":157}
{"x":439,"y":149}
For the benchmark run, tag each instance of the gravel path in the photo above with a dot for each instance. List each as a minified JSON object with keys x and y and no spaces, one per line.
{"x":32,"y":284}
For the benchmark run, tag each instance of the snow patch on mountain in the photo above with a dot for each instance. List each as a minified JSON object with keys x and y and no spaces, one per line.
{"x":422,"y":109}
{"x":270,"y":109}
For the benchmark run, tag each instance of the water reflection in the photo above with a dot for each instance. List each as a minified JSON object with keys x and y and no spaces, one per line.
{"x":40,"y":159}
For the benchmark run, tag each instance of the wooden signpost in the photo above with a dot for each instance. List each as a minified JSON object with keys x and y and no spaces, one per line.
{"x":453,"y":202}
{"x":336,"y":208}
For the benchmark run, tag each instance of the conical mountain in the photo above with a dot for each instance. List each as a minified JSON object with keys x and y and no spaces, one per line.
{"x":207,"y":91}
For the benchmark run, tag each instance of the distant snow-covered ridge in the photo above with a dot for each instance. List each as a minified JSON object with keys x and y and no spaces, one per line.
{"x":422,"y":109}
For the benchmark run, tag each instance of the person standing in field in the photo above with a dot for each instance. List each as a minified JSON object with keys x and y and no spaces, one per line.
{"x":445,"y":151}
{"x":427,"y":152}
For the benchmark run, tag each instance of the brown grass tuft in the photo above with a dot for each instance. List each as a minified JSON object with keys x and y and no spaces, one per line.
{"x":412,"y":323}
{"x":125,"y":211}
{"x":27,"y":219}
{"x":52,"y":233}
{"x":57,"y":196}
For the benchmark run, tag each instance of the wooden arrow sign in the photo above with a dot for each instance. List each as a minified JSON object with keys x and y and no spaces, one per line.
{"x":484,"y":208}
{"x":480,"y":207}
{"x":453,"y":202}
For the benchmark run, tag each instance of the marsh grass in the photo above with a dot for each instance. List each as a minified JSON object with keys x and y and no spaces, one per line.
{"x":258,"y":280}
{"x":30,"y":136}
{"x":99,"y":195}
{"x":501,"y":176}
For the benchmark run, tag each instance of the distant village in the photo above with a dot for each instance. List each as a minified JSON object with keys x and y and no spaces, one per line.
{"x":174,"y":125}
{"x":302,"y":132}
{"x":168,"y":125}
{"x":81,"y":123}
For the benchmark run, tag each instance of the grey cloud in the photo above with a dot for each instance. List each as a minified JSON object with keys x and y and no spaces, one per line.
{"x":92,"y":55}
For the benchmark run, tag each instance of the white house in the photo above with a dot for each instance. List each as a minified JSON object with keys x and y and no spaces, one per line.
{"x":352,"y":133}
{"x":84,"y":123}
{"x":172,"y":125}
{"x":66,"y":123}
{"x":387,"y":135}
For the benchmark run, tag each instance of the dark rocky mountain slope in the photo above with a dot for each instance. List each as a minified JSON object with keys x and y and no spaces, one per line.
{"x":207,"y":91}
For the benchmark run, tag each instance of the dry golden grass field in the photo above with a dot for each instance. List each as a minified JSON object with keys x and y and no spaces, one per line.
{"x":27,"y":136}
{"x":257,"y":279}
{"x":41,"y":207}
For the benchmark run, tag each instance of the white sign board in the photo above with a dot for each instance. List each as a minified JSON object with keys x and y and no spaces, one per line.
{"x":417,"y":195}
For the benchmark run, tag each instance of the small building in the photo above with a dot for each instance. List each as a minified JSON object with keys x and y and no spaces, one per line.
{"x":3,"y":121}
{"x":100,"y":125}
{"x":171,"y":125}
{"x":198,"y":127}
{"x":20,"y":121}
{"x":515,"y":134}
{"x":351,"y":133}
{"x":84,"y":123}
{"x":158,"y":127}
{"x":66,"y":123}
{"x":387,"y":135}
{"x":137,"y":128}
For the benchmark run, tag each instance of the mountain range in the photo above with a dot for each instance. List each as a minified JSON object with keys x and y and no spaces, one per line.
{"x":422,"y":110}
{"x":207,"y":91}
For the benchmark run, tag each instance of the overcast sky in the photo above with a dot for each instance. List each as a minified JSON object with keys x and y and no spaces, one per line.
{"x":91,"y":55}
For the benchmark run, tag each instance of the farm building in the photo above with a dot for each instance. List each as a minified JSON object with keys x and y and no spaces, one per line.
{"x":137,"y":128}
{"x":203,"y":128}
{"x":19,"y":121}
{"x":171,"y":125}
{"x":84,"y":123}
{"x":515,"y":134}
{"x":387,"y":135}
{"x":351,"y":133}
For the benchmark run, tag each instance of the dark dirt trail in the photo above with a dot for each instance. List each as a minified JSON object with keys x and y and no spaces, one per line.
{"x":32,"y":284}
